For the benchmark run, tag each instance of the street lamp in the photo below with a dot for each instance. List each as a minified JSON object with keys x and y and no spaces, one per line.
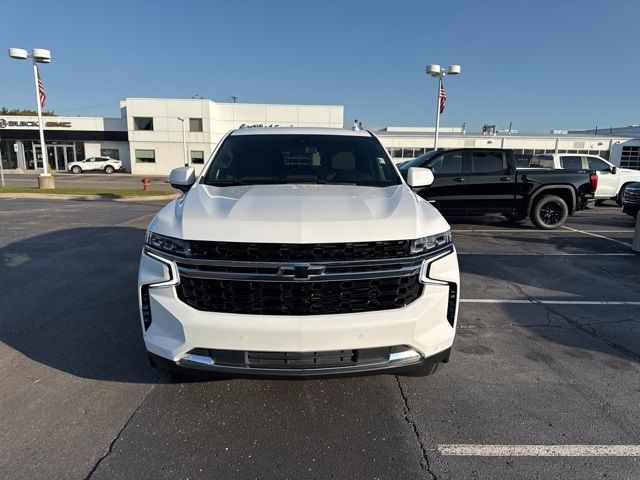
{"x":184,"y":140}
{"x":439,"y":72}
{"x":38,"y":55}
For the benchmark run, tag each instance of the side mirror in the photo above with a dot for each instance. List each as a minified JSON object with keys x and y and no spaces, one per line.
{"x":419,"y":177}
{"x":182,"y":178}
{"x":614,"y":169}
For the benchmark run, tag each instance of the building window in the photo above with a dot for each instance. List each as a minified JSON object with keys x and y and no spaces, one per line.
{"x":197,"y":157}
{"x":142,"y":123}
{"x":630,"y":157}
{"x":145,"y":156}
{"x":195,"y":124}
{"x":110,"y":152}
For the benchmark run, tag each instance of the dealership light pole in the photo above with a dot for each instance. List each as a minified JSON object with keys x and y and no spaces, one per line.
{"x":38,"y":55}
{"x":439,"y":72}
{"x":184,"y":140}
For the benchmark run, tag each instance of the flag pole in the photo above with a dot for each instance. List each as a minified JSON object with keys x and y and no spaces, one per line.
{"x":435,"y":138}
{"x":43,"y":147}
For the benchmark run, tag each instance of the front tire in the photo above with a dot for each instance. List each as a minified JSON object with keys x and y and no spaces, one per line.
{"x":76,"y":169}
{"x":109,"y":169}
{"x":620,"y":195}
{"x":549,"y":212}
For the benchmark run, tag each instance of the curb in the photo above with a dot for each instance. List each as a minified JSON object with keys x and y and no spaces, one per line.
{"x":102,"y":198}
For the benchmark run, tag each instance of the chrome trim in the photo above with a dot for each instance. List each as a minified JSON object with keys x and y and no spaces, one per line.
{"x":329,"y":277}
{"x":425,"y":271}
{"x":408,"y":266}
{"x":191,"y":360}
{"x":271,"y":264}
{"x":202,"y":362}
{"x":173,"y":271}
{"x":411,"y":353}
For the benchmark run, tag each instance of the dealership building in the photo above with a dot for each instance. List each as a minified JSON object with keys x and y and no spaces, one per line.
{"x":151,"y":133}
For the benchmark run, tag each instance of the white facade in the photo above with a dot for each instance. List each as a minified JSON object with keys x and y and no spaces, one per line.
{"x":405,"y":145}
{"x":148,"y":138}
{"x":216,"y":119}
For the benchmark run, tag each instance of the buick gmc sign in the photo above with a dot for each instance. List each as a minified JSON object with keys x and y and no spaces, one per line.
{"x":30,"y":124}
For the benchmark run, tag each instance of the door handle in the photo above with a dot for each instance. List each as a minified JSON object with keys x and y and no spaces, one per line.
{"x":505,"y":179}
{"x":458,"y":179}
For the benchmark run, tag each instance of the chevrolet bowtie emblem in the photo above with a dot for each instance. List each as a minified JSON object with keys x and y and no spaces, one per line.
{"x":300,"y":271}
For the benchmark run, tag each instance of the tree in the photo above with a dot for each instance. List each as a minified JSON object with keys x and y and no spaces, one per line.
{"x":23,"y":111}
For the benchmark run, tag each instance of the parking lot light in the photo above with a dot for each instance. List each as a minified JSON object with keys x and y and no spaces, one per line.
{"x":38,"y":55}
{"x":439,"y":72}
{"x":184,"y":141}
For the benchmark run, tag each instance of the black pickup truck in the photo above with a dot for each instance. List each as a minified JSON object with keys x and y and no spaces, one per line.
{"x":478,"y":181}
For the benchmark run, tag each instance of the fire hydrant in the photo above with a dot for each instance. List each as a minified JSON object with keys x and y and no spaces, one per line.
{"x":146,"y":184}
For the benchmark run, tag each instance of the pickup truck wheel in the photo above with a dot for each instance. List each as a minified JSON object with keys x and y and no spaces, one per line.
{"x":514,"y":217}
{"x":109,"y":169}
{"x":620,"y":195}
{"x":76,"y":169}
{"x":549,"y":212}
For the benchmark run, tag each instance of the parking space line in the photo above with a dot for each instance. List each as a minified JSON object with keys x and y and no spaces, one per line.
{"x":553,"y":254}
{"x":540,"y":450}
{"x":535,"y":230}
{"x":598,"y":236}
{"x":547,"y":302}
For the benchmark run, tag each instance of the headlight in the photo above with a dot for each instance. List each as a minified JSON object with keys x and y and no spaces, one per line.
{"x":432,"y":242}
{"x":171,"y":245}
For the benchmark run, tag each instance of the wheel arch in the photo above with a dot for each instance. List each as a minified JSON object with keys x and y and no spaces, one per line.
{"x":565,"y":192}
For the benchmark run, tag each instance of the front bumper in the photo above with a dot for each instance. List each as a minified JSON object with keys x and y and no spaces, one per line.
{"x":631,"y":208}
{"x":426,"y":326}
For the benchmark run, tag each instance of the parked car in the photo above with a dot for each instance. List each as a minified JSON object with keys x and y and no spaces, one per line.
{"x":105,"y":164}
{"x":631,"y":200}
{"x":298,"y":252}
{"x":479,"y":181}
{"x":612,"y":180}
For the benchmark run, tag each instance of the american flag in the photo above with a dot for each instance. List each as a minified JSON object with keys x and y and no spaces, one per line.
{"x":443,"y":98}
{"x":41,"y":92}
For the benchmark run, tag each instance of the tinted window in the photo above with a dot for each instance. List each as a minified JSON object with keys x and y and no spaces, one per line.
{"x":541,"y":161}
{"x":195,"y":124}
{"x":449,"y":163}
{"x":487,"y":162}
{"x":571,"y":162}
{"x":143,"y":123}
{"x":522,"y":161}
{"x":254,"y":159}
{"x":420,"y":161}
{"x":597,"y":164}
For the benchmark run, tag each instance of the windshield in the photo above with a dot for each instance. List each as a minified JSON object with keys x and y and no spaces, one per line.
{"x":418,"y":161}
{"x":324,"y":159}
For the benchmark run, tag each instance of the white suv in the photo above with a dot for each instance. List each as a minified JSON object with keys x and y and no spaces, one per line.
{"x":298,"y":251}
{"x":612,"y":180}
{"x":105,"y":164}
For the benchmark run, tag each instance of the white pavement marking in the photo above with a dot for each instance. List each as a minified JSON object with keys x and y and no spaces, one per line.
{"x":541,"y":450}
{"x":547,"y":302}
{"x":535,"y":230}
{"x":598,"y":236}
{"x":553,"y":254}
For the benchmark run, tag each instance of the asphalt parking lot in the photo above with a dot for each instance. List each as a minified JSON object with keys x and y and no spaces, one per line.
{"x":89,"y":180}
{"x":545,"y":366}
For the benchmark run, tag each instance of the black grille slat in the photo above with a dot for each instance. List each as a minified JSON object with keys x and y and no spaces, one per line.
{"x":299,"y":298}
{"x":293,"y":252}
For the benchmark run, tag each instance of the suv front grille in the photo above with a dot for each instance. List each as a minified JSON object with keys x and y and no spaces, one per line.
{"x":299,"y":298}
{"x":292,"y":252}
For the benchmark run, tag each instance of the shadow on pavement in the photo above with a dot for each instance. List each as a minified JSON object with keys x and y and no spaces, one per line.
{"x":70,"y":302}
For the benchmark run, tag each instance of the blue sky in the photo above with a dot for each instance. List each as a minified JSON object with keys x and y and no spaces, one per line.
{"x":538,"y":64}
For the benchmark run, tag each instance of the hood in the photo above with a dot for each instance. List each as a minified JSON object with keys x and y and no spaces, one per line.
{"x":629,"y":172}
{"x":298,"y":214}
